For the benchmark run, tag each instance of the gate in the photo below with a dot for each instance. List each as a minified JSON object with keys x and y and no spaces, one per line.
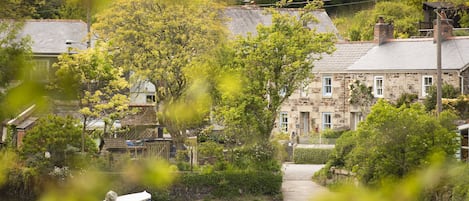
{"x":158,"y":149}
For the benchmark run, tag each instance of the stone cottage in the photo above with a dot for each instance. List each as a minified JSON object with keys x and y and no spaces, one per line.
{"x":389,"y":66}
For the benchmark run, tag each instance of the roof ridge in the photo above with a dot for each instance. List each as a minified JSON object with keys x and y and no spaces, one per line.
{"x":55,"y":20}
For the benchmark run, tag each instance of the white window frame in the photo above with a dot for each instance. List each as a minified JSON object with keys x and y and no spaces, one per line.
{"x":378,"y":86}
{"x":426,"y":86}
{"x":283,"y":122}
{"x":283,"y":91}
{"x":327,"y":87}
{"x":326,"y":120}
{"x":304,"y":89}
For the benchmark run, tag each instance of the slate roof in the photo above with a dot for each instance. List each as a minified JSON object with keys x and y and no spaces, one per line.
{"x":414,"y":54}
{"x":244,"y":19}
{"x":345,"y":55}
{"x":395,"y":55}
{"x":49,"y":36}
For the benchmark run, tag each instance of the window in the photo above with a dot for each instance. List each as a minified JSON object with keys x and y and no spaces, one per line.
{"x":427,"y":82}
{"x":40,"y":70}
{"x":378,"y":86}
{"x":327,"y":86}
{"x":326,"y":120}
{"x":151,"y":99}
{"x":284,"y":122}
{"x":283,"y":91}
{"x":304,"y":89}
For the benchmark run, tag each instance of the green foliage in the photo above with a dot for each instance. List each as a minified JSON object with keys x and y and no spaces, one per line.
{"x":99,"y":86}
{"x":15,"y":65}
{"x":311,"y":155}
{"x":442,"y":180}
{"x":330,"y":133}
{"x":388,"y":145}
{"x":210,"y":150}
{"x":58,"y":136}
{"x":344,"y":145}
{"x":402,"y":15}
{"x":233,"y":183}
{"x":406,"y":99}
{"x":459,"y":105}
{"x":271,"y":65}
{"x":361,"y":95}
{"x":464,"y":21}
{"x":163,"y":42}
{"x":448,"y":91}
{"x":259,"y":156}
{"x":17,"y":9}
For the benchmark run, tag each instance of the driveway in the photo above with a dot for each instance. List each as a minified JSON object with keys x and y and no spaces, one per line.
{"x":297,"y":184}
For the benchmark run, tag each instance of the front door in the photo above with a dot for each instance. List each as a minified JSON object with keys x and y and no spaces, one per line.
{"x":304,"y":123}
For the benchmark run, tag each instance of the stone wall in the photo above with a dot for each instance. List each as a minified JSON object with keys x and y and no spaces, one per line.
{"x":394,"y":85}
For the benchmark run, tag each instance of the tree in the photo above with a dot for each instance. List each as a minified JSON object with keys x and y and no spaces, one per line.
{"x":13,"y":52}
{"x":158,"y":41}
{"x":91,"y":78}
{"x":389,"y":146}
{"x":15,"y":65}
{"x":19,"y":9}
{"x":53,"y":141}
{"x":361,"y":95}
{"x":401,"y":15}
{"x":271,"y":65}
{"x":449,"y":91}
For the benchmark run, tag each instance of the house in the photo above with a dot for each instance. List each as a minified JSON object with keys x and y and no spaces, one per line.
{"x":244,"y":19}
{"x":463,"y":152}
{"x":391,"y":67}
{"x":241,"y":20}
{"x":50,"y":38}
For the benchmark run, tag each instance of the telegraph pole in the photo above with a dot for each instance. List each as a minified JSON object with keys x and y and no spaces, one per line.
{"x":88,"y":22}
{"x":438,"y":62}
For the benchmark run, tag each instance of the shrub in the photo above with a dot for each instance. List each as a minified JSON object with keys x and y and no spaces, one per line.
{"x":330,"y":133}
{"x":311,"y":155}
{"x":259,"y":156}
{"x":230,"y":183}
{"x":210,"y":149}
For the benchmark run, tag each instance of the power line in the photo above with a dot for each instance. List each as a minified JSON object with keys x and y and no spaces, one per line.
{"x":347,"y":4}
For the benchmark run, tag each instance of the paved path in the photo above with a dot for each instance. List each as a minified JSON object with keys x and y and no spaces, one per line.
{"x":297,"y":184}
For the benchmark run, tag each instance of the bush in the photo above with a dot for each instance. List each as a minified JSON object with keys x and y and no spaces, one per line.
{"x":229,"y":183}
{"x":259,"y":157}
{"x":311,"y":155}
{"x":330,"y":133}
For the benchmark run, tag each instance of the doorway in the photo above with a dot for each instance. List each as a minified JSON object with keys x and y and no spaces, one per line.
{"x":304,"y":123}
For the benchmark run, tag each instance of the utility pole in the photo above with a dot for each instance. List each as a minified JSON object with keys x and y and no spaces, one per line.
{"x":88,"y":22}
{"x":438,"y":62}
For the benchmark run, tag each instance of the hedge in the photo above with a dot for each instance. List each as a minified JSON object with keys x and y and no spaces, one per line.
{"x":229,"y":183}
{"x":311,"y":155}
{"x":205,"y":186}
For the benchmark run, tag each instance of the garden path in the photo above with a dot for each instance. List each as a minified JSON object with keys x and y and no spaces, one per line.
{"x":297,"y":184}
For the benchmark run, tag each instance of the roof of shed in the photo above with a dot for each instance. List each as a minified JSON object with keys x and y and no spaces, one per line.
{"x":245,"y":19}
{"x":114,"y":143}
{"x":49,"y":36}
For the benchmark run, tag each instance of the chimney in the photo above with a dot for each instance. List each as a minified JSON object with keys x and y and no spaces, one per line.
{"x":446,"y":27}
{"x":383,"y":31}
